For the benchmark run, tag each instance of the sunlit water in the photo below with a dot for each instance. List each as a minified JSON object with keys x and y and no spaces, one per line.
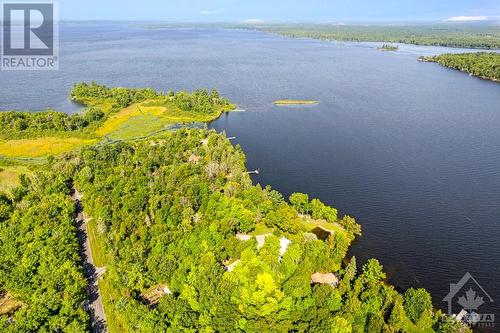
{"x":411,"y":149}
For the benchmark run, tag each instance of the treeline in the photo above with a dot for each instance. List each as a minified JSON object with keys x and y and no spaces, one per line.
{"x":40,"y":265}
{"x":167,"y":214}
{"x":462,"y":36}
{"x":93,"y":93}
{"x":17,"y":125}
{"x":201,"y":101}
{"x":482,"y":64}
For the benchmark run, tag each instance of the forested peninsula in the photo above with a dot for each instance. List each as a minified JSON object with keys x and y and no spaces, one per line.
{"x":485,"y":65}
{"x":450,"y":35}
{"x":184,"y":239}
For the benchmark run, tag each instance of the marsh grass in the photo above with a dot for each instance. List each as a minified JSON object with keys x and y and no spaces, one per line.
{"x":41,"y":147}
{"x":9,"y":177}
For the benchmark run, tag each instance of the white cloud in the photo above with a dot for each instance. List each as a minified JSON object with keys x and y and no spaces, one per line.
{"x":213,"y":11}
{"x":252,"y":21}
{"x":466,"y":18}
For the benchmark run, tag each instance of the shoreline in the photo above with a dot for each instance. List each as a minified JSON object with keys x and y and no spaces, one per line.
{"x":435,"y":59}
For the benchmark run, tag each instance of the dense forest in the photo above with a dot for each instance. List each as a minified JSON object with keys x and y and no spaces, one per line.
{"x":42,"y":286}
{"x":16,"y":125}
{"x":464,"y":36}
{"x":188,"y":242}
{"x":483,"y":64}
{"x":93,"y":93}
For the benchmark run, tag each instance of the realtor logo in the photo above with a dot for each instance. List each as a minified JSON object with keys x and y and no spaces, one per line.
{"x":29,"y":36}
{"x":468,"y":295}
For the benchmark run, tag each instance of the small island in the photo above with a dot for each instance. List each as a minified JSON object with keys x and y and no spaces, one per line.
{"x":485,"y":65}
{"x":388,"y":47}
{"x":295,"y":102}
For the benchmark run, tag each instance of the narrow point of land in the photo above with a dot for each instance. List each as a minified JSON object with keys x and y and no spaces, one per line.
{"x":485,"y":65}
{"x":450,"y":35}
{"x":111,"y":114}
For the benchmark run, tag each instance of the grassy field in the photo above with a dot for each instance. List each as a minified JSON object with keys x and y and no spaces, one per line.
{"x":95,"y":244}
{"x":119,"y":120}
{"x":295,"y":102}
{"x":108,"y":294}
{"x":141,"y":119}
{"x":311,"y":224}
{"x":9,"y":177}
{"x":41,"y":146}
{"x":261,"y":229}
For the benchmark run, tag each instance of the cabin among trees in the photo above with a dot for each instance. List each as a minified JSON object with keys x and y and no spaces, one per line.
{"x":325,"y":278}
{"x":153,"y":295}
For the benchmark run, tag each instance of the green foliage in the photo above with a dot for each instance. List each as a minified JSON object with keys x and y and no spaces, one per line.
{"x":445,"y":324}
{"x":482,"y":64}
{"x":349,"y":223}
{"x":17,"y":125}
{"x":93,"y":93}
{"x":167,"y":212}
{"x":300,"y":202}
{"x":321,"y":211}
{"x":341,"y":325}
{"x":169,"y":220}
{"x":5,"y":207}
{"x":283,"y":217}
{"x":418,"y":305}
{"x":372,"y":272}
{"x":201,"y":101}
{"x":397,"y":317}
{"x":463,"y":36}
{"x":40,"y":263}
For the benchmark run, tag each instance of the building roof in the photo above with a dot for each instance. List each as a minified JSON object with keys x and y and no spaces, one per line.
{"x":231,"y":267}
{"x":243,"y":237}
{"x":284,"y":242}
{"x":325,"y":278}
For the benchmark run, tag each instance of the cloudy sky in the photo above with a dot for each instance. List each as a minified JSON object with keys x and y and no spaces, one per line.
{"x":281,"y":10}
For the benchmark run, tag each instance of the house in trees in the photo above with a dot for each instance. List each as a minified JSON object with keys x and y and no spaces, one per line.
{"x":325,"y":278}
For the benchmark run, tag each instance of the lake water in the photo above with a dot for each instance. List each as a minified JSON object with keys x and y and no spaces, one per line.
{"x":411,"y":149}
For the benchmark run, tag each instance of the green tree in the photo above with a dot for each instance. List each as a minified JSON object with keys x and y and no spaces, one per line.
{"x":341,"y":325}
{"x":300,"y":202}
{"x":372,"y":272}
{"x":418,"y":305}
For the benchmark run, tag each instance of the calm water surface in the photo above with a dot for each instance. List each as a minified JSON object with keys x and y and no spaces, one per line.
{"x":411,"y":149}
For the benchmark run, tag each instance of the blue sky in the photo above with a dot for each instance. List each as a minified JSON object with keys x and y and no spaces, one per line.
{"x":280,"y":10}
